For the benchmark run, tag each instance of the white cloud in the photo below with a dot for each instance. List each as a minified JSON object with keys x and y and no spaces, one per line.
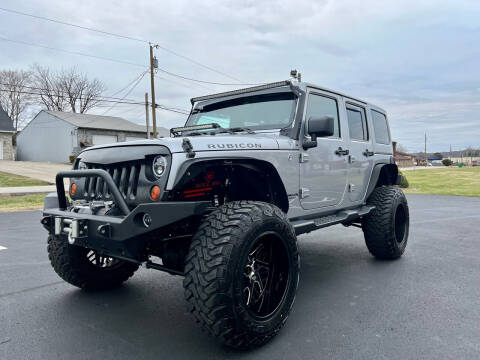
{"x":417,"y":59}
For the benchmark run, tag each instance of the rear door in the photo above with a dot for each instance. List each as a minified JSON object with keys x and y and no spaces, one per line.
{"x":323,"y":172}
{"x":360,"y":159}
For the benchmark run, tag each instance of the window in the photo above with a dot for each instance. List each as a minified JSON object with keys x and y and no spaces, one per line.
{"x":380,"y":128}
{"x":323,"y":106}
{"x":357,"y":123}
{"x":262,"y":111}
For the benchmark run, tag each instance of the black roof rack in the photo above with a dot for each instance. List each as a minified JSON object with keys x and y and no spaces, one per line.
{"x":241,"y":91}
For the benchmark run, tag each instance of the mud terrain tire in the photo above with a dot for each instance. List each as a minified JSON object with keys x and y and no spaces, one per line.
{"x":72,"y":264}
{"x":227,"y":256}
{"x":386,"y":228}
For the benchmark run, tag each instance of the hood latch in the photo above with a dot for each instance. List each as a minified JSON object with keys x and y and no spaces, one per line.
{"x":188,"y":148}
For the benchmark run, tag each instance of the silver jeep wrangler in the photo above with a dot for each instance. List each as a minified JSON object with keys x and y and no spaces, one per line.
{"x":222,"y":201}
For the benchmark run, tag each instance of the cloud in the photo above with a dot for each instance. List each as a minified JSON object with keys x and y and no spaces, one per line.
{"x":416,"y":59}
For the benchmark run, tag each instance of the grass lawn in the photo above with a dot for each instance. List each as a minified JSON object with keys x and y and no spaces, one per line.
{"x":9,"y":180}
{"x":445,"y":181}
{"x":21,"y":202}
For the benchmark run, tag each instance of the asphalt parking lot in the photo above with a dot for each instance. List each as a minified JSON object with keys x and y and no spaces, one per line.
{"x":349,"y":305}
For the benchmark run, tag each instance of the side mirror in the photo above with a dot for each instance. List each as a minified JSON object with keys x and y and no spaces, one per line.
{"x":322,"y":126}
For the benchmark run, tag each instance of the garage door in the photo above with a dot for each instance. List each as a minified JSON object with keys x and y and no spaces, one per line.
{"x":103,"y":139}
{"x":133,"y":138}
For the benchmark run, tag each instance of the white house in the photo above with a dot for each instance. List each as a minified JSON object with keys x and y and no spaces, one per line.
{"x":54,"y":135}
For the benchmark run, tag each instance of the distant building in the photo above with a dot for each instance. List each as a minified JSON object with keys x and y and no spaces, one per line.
{"x":54,"y":135}
{"x":466,"y":160}
{"x":403,"y":159}
{"x":7,"y":133}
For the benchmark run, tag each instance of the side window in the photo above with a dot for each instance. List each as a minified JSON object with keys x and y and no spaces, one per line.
{"x":318,"y":105}
{"x":357,"y":123}
{"x":380,"y":128}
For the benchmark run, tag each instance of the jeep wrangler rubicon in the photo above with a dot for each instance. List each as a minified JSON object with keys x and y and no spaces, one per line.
{"x":222,"y":201}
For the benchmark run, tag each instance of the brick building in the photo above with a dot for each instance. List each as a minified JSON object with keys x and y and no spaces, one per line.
{"x":7,"y":133}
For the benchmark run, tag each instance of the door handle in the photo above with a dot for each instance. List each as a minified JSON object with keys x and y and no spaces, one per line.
{"x":341,"y":151}
{"x":368,"y":153}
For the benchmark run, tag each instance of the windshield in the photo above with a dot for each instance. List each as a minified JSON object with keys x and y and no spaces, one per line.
{"x":265,"y":111}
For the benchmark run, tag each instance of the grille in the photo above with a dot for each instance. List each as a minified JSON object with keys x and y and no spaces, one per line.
{"x":125,"y":176}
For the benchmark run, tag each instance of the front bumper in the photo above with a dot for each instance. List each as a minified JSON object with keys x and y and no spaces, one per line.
{"x":116,"y":236}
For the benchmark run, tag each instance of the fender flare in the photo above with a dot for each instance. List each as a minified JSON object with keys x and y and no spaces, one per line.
{"x":393,"y":178}
{"x":254,"y":164}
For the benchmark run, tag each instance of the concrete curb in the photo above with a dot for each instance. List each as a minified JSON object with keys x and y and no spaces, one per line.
{"x":26,"y":190}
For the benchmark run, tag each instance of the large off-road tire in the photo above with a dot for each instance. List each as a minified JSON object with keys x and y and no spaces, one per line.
{"x":241,"y":273}
{"x":84,"y":268}
{"x":386,"y":228}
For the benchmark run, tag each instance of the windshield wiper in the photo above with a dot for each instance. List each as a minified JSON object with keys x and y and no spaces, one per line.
{"x":237,"y":129}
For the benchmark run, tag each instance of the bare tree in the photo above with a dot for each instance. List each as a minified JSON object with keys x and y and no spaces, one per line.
{"x":66,"y":89}
{"x":48,"y":91}
{"x":15,"y":94}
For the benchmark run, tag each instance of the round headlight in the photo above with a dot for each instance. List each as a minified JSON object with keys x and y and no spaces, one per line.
{"x":82,"y":165}
{"x":159,"y":165}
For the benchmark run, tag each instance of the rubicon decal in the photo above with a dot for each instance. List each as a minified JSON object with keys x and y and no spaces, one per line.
{"x":235,"y":146}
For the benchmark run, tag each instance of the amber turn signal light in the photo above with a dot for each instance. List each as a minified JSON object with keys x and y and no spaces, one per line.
{"x":155,"y":192}
{"x":73,"y":189}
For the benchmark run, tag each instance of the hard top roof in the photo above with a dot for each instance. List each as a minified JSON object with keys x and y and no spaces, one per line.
{"x":294,"y":84}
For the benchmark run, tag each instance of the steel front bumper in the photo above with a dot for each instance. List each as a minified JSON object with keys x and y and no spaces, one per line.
{"x":117,"y":236}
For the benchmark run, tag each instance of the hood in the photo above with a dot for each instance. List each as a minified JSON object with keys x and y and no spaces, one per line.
{"x":219,"y":142}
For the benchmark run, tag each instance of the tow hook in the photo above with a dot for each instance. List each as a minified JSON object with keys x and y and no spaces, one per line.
{"x":74,"y":228}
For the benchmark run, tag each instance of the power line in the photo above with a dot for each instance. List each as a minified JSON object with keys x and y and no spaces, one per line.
{"x":163,"y":107}
{"x":121,"y":37}
{"x":204,"y":81}
{"x":186,"y":84}
{"x":72,"y":52}
{"x":129,"y":91}
{"x":130,"y":83}
{"x":125,"y":62}
{"x":63,"y":92}
{"x":79,"y":98}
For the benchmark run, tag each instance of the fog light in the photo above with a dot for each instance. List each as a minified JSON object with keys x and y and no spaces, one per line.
{"x":155,"y":192}
{"x":73,"y":189}
{"x":147,"y":220}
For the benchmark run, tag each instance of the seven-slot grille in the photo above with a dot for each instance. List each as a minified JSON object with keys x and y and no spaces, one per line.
{"x":125,"y":176}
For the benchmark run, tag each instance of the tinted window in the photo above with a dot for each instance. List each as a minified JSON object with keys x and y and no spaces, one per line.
{"x":264,"y":111}
{"x":380,"y":127}
{"x":323,"y":106}
{"x":357,"y":124}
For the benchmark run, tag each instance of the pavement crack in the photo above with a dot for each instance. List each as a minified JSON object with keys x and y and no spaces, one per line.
{"x":30,"y":289}
{"x":5,"y":341}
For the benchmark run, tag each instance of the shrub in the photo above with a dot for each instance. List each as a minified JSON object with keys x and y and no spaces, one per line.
{"x":404,"y":184}
{"x":72,"y":158}
{"x":447,"y":162}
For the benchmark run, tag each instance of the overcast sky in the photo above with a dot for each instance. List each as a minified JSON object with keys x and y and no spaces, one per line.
{"x":417,"y":59}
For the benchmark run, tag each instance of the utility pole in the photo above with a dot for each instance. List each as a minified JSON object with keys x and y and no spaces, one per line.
{"x":426,"y":159}
{"x":146,"y":115}
{"x":153,"y":65}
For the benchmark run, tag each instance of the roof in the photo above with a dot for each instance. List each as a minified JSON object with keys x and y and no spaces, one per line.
{"x":6,"y":124}
{"x":403,"y":156}
{"x":302,"y":85}
{"x":97,"y":121}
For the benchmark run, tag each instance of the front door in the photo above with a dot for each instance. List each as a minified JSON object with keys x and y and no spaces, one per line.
{"x":323,"y":169}
{"x":361,"y":150}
